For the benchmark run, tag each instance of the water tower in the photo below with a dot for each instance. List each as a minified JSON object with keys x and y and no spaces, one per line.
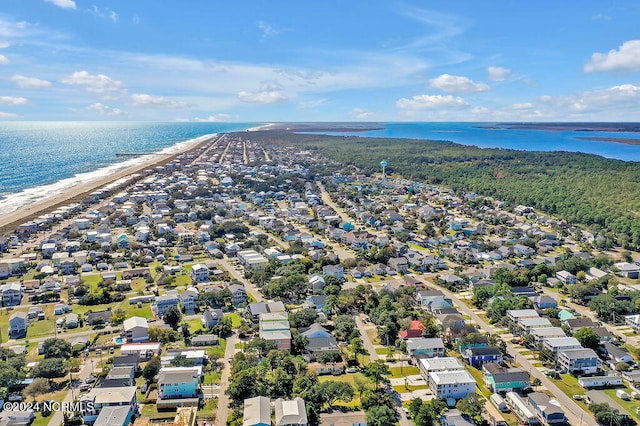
{"x":383,"y":163}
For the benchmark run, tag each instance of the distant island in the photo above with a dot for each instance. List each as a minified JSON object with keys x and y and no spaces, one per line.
{"x":569,"y":127}
{"x":628,"y":141}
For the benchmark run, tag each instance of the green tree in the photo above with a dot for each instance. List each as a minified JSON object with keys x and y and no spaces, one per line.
{"x":261,"y":346}
{"x":381,"y":415}
{"x":334,"y":391}
{"x":50,"y":368}
{"x":56,"y":348}
{"x":172,"y":317}
{"x":377,"y":371}
{"x":303,"y":318}
{"x":473,"y":406}
{"x":151,"y":369}
{"x":38,"y":387}
{"x":588,"y":338}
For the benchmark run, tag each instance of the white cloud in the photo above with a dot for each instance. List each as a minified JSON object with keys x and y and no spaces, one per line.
{"x":431,"y":102}
{"x":360,"y":113}
{"x":4,"y":44}
{"x":7,"y":115}
{"x":143,"y":99}
{"x":498,"y":73}
{"x":215,"y":118}
{"x":270,"y":93}
{"x":106,"y":110}
{"x":267,"y":30}
{"x":601,"y":17}
{"x":98,"y":83}
{"x":626,"y":58}
{"x":457,"y":84}
{"x":105,"y":13}
{"x":29,"y":82}
{"x":3,"y":60}
{"x":64,"y":4}
{"x":10,"y":100}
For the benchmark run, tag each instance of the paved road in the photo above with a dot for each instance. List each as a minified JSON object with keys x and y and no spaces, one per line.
{"x":373,"y":355}
{"x":575,"y":414}
{"x":248,"y":286}
{"x":222,"y":413}
{"x":65,"y":336}
{"x":57,"y":418}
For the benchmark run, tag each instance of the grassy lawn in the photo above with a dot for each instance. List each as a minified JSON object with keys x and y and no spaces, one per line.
{"x":194,"y":324}
{"x":183,"y":280}
{"x":212,"y":378}
{"x":373,"y":335}
{"x":630,"y":406}
{"x":347,"y":378}
{"x":409,"y":388}
{"x":397,"y":372}
{"x":209,"y":410}
{"x":382,"y":351}
{"x":216,"y":352}
{"x":236,"y":319}
{"x":133,"y":311}
{"x":569,"y":385}
{"x":83,"y":309}
{"x":477,"y":374}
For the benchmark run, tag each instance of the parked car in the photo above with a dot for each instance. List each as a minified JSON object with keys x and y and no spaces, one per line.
{"x":578,"y":397}
{"x":85,"y":387}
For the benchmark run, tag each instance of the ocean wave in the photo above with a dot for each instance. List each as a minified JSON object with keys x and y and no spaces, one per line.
{"x":27,"y":197}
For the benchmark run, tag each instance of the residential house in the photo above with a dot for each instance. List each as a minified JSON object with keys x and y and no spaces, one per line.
{"x":178,"y":383}
{"x":575,"y":324}
{"x":136,"y":330}
{"x":99,"y":317}
{"x":559,"y":344}
{"x":547,"y":409}
{"x":628,"y":270}
{"x":578,"y":361}
{"x":453,"y":417}
{"x":165,"y":302}
{"x":400,"y":264}
{"x":454,"y":384}
{"x":200,"y":273}
{"x":333,"y":270}
{"x":601,"y":381}
{"x":428,"y":365}
{"x":320,"y":340}
{"x":189,"y":300}
{"x":416,"y":328}
{"x":238,"y":294}
{"x":335,"y":368}
{"x":18,"y":323}
{"x":212,"y":317}
{"x":616,"y":354}
{"x":501,"y":379}
{"x":93,"y":402}
{"x":291,"y":413}
{"x":11,"y":294}
{"x":257,"y":411}
{"x":566,"y":277}
{"x":71,"y":320}
{"x":542,"y":333}
{"x":425,"y":347}
{"x":113,"y":416}
{"x":544,"y":302}
{"x":480,"y":356}
{"x":526,"y":324}
{"x":204,"y":340}
{"x":516,"y":314}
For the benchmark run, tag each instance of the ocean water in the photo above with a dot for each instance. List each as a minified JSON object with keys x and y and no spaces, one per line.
{"x":41,"y":159}
{"x":484,"y":135}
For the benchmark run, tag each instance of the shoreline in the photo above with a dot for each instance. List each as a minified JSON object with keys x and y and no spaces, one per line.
{"x":9,"y":221}
{"x":626,"y":141}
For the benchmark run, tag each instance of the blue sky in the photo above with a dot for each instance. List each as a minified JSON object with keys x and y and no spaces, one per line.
{"x":207,"y":60}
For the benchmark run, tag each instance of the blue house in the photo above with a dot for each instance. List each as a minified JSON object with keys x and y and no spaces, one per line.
{"x":478,"y":356}
{"x":317,"y":301}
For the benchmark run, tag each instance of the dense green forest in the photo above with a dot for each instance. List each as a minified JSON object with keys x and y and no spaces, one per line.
{"x":585,"y":189}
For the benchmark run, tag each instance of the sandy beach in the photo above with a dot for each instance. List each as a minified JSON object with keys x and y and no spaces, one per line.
{"x":76,"y":193}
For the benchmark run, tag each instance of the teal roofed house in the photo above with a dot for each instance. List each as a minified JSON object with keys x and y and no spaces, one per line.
{"x":500,"y":379}
{"x":565,"y":315}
